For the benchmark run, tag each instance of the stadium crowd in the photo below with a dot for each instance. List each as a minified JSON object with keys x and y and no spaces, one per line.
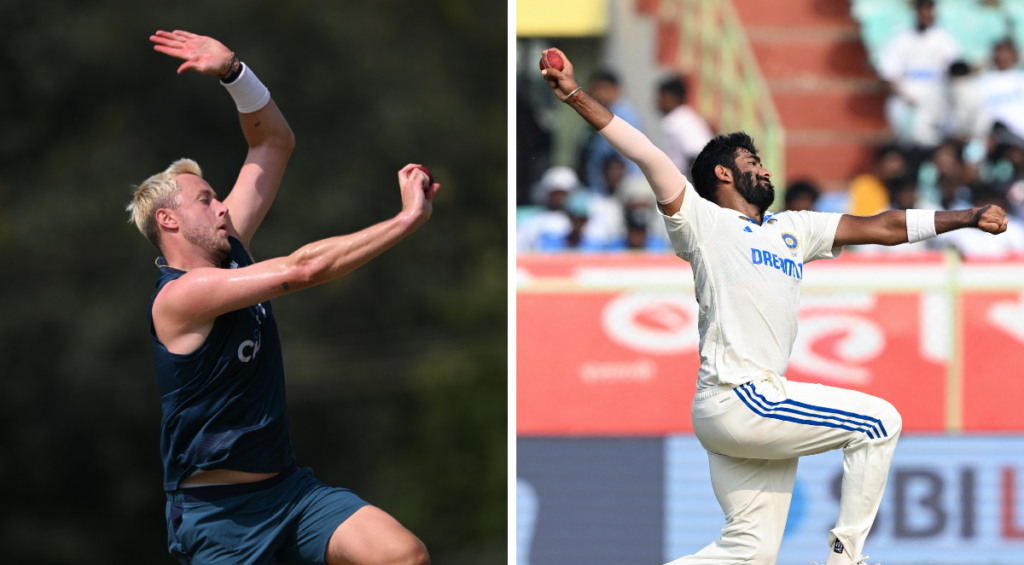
{"x":957,"y":142}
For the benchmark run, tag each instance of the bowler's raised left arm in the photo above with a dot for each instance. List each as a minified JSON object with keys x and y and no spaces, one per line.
{"x":891,"y":228}
{"x":270,"y":139}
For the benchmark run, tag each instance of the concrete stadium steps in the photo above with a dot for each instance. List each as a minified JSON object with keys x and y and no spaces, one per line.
{"x":835,"y":107}
{"x":795,"y":53}
{"x":792,"y":13}
{"x":829,"y":164}
{"x":828,"y":96}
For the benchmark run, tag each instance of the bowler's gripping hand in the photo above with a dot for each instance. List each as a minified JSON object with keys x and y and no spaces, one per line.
{"x":204,"y":55}
{"x":561,"y":82}
{"x":991,"y":218}
{"x":417,"y":193}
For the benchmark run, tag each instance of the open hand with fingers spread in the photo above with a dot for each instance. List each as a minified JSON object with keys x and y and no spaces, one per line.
{"x":204,"y":55}
{"x":991,"y":219}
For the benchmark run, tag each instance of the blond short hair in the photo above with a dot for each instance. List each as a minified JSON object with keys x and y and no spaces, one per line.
{"x":158,"y":191}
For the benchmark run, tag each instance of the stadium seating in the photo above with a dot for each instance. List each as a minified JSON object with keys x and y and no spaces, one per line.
{"x":1016,"y":12}
{"x":976,"y":24}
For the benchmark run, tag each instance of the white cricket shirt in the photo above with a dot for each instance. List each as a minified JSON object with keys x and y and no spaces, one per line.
{"x":918,"y":61}
{"x":747,"y":281}
{"x":1003,"y":93}
{"x":684,"y":133}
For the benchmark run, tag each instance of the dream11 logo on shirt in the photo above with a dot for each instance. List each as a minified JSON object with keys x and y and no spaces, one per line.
{"x":248,"y":348}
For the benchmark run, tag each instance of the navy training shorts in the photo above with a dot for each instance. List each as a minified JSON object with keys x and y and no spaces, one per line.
{"x":288,"y":518}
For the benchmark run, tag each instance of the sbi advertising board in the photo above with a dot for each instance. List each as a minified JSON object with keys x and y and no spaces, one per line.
{"x":601,"y":501}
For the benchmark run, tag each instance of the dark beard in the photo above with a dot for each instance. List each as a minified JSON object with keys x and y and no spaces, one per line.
{"x":215,"y":248}
{"x":757,"y":191}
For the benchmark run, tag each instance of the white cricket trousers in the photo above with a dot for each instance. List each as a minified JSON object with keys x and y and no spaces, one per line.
{"x":754,"y":435}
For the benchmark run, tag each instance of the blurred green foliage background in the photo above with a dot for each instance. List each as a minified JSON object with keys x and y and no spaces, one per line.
{"x":396,"y":374}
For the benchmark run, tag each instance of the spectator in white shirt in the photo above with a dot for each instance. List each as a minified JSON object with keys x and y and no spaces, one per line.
{"x":1002,"y":89}
{"x":914,"y":65}
{"x":969,"y":120}
{"x":684,"y":132}
{"x":549,"y":227}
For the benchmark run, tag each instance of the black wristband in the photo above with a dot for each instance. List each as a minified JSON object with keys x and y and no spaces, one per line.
{"x":234,"y":70}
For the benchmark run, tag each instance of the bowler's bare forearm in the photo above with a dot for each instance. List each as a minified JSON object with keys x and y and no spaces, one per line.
{"x":890,"y":228}
{"x":949,"y":220}
{"x":665,"y":179}
{"x":590,"y":110}
{"x":334,"y":257}
{"x":267,"y":126}
{"x":271,"y":142}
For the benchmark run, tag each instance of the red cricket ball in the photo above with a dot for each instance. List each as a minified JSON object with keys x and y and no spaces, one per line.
{"x":551,"y":59}
{"x":426,"y":171}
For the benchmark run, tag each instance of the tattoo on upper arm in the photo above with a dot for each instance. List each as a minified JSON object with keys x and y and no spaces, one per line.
{"x":285,"y":285}
{"x":257,"y":124}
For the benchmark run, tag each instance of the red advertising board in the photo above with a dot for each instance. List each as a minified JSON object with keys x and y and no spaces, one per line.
{"x":993,"y":388}
{"x":573,"y":377}
{"x":608,"y":345}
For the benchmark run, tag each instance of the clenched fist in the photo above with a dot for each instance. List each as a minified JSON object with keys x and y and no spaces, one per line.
{"x":990,"y":218}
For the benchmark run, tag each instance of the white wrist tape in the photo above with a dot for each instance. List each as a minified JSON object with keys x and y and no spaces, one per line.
{"x":249,"y":93}
{"x":920,"y":225}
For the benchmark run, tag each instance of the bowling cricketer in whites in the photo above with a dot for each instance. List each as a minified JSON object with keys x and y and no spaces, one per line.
{"x":234,"y":492}
{"x":747,"y":268}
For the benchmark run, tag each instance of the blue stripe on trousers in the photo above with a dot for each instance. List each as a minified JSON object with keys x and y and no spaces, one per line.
{"x":852,"y":415}
{"x":762,"y":410}
{"x":752,"y":403}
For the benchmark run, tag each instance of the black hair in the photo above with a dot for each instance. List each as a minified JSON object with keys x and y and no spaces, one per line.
{"x":613,"y":158}
{"x":1005,"y":42}
{"x":719,"y":151}
{"x":674,"y":86}
{"x":801,"y":188}
{"x":918,"y":4}
{"x":956,"y":145}
{"x":604,"y":75}
{"x":959,"y":68}
{"x":901,"y":183}
{"x":885,"y":150}
{"x":982,"y":191}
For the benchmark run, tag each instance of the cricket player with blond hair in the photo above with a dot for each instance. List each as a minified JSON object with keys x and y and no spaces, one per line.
{"x":747,"y":269}
{"x":234,"y":492}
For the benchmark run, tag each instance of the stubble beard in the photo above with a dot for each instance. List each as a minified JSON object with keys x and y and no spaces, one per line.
{"x":206,"y":239}
{"x":755,"y":190}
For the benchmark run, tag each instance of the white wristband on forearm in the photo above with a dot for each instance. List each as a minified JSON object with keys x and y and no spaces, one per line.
{"x":920,"y":225}
{"x":249,"y":93}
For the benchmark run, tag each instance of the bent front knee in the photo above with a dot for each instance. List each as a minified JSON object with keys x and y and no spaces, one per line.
{"x":892,"y":421}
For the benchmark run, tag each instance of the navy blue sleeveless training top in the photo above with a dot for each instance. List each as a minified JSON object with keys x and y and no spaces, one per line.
{"x":224,"y":403}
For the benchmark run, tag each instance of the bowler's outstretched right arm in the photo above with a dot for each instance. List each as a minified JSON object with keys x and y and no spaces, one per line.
{"x":185,"y":310}
{"x":668,"y":184}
